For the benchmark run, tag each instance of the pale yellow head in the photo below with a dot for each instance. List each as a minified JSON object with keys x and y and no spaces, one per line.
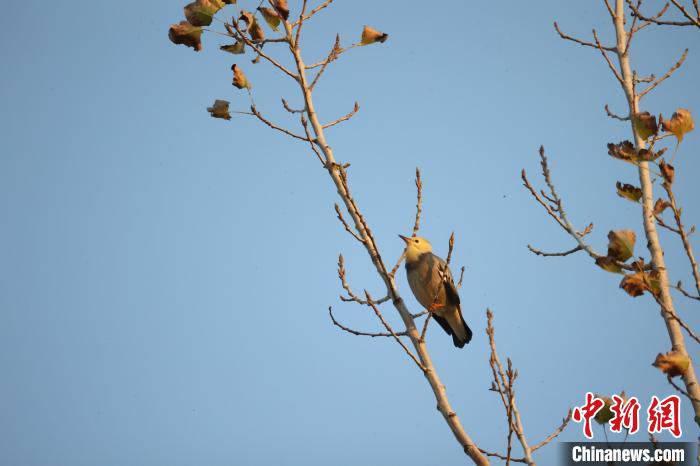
{"x":415,"y":246}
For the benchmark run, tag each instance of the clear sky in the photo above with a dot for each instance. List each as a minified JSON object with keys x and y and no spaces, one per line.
{"x":165,"y":276}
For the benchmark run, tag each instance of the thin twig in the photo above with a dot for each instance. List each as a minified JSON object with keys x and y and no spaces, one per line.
{"x":344,"y":118}
{"x":615,"y":116}
{"x":357,"y":332}
{"x":372,"y":304}
{"x":579,"y":41}
{"x":274,"y":126}
{"x":666,"y":76}
{"x":553,"y":254}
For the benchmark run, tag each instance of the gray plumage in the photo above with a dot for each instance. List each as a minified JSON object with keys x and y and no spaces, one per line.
{"x":436,"y":295}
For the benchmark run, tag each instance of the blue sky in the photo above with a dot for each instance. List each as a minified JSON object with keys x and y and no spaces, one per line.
{"x":165,"y":277}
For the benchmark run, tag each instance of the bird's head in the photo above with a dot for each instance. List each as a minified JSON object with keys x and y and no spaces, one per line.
{"x":415,"y":246}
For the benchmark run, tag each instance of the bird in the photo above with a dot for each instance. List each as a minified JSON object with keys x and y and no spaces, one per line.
{"x":439,"y":297}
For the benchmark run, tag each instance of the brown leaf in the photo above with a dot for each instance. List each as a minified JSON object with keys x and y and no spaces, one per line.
{"x":608,"y":264}
{"x":634,"y":284}
{"x":220,"y":109}
{"x":237,"y":48}
{"x":680,"y":123}
{"x":627,"y":152}
{"x":186,"y":34}
{"x":628,"y":191}
{"x":201,"y":12}
{"x":660,"y":205}
{"x":672,"y":363}
{"x":272,"y":18}
{"x":667,"y":171}
{"x":256,"y":32}
{"x":371,"y":35}
{"x":645,"y":124}
{"x":239,"y":79}
{"x":282,"y":8}
{"x":247,"y":17}
{"x":621,"y":244}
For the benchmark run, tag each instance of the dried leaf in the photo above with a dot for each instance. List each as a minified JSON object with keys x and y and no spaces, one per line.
{"x":371,"y":35}
{"x":628,"y":191}
{"x":621,"y":244}
{"x":256,"y":32}
{"x":672,"y":363}
{"x":608,"y":264}
{"x":186,"y":34}
{"x":230,"y":2}
{"x":660,"y":205}
{"x":201,"y":12}
{"x":237,"y":48}
{"x":627,"y":152}
{"x":220,"y":109}
{"x":645,"y":124}
{"x":634,"y":284}
{"x":255,"y":60}
{"x":667,"y":171}
{"x":239,"y":79}
{"x":680,"y":123}
{"x":282,"y":8}
{"x":272,"y":18}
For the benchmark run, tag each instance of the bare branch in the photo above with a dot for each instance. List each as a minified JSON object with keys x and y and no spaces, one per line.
{"x":579,"y":41}
{"x":357,"y":332}
{"x":345,"y":224}
{"x":372,"y":304}
{"x":332,"y":55}
{"x":684,"y":236}
{"x":416,"y":223}
{"x":655,"y":19}
{"x":289,"y":109}
{"x":679,"y":287}
{"x":274,"y":126}
{"x":554,"y":254}
{"x":503,"y":383}
{"x":615,"y":116}
{"x":313,"y":12}
{"x":312,"y":142}
{"x":679,"y":389}
{"x":351,"y":114}
{"x":666,"y":76}
{"x":605,"y":55}
{"x":554,"y":434}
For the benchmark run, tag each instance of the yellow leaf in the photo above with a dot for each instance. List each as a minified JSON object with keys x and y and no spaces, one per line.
{"x":621,"y":244}
{"x":608,"y":264}
{"x":239,"y":79}
{"x":272,"y":18}
{"x":201,"y":12}
{"x":220,"y":109}
{"x":680,"y":123}
{"x":645,"y":124}
{"x":672,"y":363}
{"x":628,"y":191}
{"x":186,"y":34}
{"x":371,"y":35}
{"x":237,"y":48}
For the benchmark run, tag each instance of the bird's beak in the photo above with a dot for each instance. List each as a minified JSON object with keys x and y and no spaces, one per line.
{"x":405,"y":238}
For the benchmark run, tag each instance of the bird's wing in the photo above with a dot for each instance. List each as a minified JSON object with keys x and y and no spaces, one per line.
{"x":448,"y":282}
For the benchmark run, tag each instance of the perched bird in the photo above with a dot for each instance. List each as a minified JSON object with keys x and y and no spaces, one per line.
{"x":439,"y":297}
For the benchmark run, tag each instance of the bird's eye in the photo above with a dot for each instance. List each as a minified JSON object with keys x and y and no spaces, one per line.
{"x":415,"y":241}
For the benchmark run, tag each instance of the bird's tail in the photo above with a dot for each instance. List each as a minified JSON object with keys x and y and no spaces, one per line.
{"x":461,"y":333}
